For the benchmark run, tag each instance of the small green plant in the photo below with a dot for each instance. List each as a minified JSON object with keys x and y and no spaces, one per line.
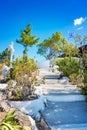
{"x":18,"y":94}
{"x":43,"y":81}
{"x":10,"y":123}
{"x":84,"y":89}
{"x":52,"y":70}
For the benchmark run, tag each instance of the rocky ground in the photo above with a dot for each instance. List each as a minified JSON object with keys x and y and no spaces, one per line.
{"x":23,"y":119}
{"x":2,"y":116}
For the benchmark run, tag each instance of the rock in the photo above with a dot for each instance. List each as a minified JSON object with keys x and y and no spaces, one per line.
{"x":60,"y":76}
{"x":3,"y":91}
{"x":19,"y":92}
{"x":38,"y":90}
{"x":1,"y":109}
{"x":3,"y":86}
{"x":63,"y":80}
{"x":5,"y":71}
{"x":23,"y":120}
{"x":2,"y":115}
{"x":2,"y":95}
{"x":11,"y":88}
{"x":42,"y":125}
{"x":34,"y":127}
{"x":20,"y":117}
{"x":5,"y":106}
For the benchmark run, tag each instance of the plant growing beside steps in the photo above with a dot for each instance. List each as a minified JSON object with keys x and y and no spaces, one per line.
{"x":22,"y":80}
{"x":10,"y":123}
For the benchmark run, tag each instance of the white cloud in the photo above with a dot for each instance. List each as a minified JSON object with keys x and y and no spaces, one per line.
{"x":79,"y":21}
{"x":80,"y":28}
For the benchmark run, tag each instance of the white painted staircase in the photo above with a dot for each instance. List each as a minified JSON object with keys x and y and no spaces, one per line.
{"x":56,"y":89}
{"x":66,"y":109}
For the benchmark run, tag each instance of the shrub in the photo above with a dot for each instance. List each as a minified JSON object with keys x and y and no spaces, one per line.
{"x":24,"y":71}
{"x":76,"y":79}
{"x":23,"y":66}
{"x":1,"y":65}
{"x":53,"y":70}
{"x":84,"y":89}
{"x":69,"y":66}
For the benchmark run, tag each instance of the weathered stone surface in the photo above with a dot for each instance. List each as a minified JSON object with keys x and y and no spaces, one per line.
{"x":4,"y":109}
{"x":2,"y":116}
{"x":23,"y":119}
{"x":20,"y":92}
{"x":4,"y":106}
{"x":42,"y":125}
{"x":5,"y":71}
{"x":2,"y":95}
{"x":3,"y":86}
{"x":64,"y":80}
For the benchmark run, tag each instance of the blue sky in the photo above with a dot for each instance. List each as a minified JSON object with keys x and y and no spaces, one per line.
{"x":45,"y":16}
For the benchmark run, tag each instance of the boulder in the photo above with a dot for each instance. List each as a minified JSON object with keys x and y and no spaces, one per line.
{"x":4,"y":106}
{"x":5,"y":71}
{"x":20,"y":117}
{"x":42,"y":125}
{"x":23,"y":120}
{"x":64,"y":80}
{"x":2,"y":95}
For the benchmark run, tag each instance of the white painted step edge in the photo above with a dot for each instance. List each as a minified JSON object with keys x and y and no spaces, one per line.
{"x":65,"y":98}
{"x":70,"y":127}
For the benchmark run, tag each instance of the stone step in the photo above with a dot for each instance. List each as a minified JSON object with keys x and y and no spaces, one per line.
{"x":56,"y":81}
{"x":83,"y":128}
{"x":51,"y":77}
{"x":41,"y":90}
{"x":66,"y":107}
{"x":66,"y":115}
{"x":60,"y":92}
{"x":65,"y":98}
{"x":51,"y":81}
{"x":56,"y":90}
{"x":70,"y":127}
{"x":58,"y":86}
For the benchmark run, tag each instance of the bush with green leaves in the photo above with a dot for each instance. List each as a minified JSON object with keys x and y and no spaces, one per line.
{"x":22,"y":67}
{"x":84,"y":89}
{"x":68,"y":66}
{"x":5,"y":56}
{"x":76,"y":79}
{"x":24,"y":71}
